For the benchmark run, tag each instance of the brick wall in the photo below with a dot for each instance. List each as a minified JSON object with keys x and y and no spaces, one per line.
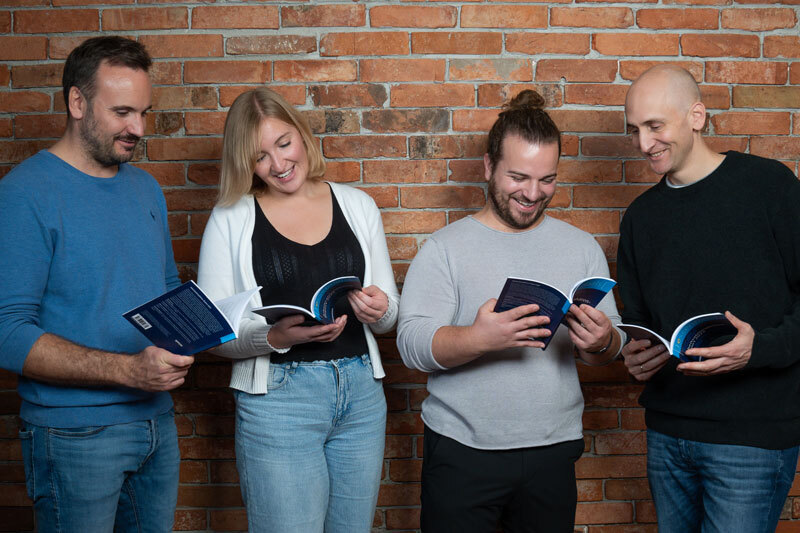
{"x":402,"y":94}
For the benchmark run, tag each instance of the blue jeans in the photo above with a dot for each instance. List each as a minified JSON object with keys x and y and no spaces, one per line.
{"x":120,"y":478}
{"x":310,"y":451}
{"x":717,"y":488}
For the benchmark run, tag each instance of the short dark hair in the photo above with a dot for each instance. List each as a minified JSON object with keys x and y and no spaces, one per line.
{"x":525,"y":116}
{"x":80,"y":70}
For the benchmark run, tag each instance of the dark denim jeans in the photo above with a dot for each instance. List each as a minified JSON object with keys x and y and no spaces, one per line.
{"x":121,"y":478}
{"x":717,"y":488}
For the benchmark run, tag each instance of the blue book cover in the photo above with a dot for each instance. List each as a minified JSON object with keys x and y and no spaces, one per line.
{"x":321,"y":309}
{"x":551,"y":301}
{"x":701,"y":331}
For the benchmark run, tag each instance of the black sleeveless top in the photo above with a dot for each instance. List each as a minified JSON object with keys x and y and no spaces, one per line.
{"x":290,"y":272}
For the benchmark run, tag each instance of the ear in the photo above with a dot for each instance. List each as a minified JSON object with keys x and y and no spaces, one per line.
{"x":487,"y":167}
{"x":697,"y":116}
{"x":77,"y":103}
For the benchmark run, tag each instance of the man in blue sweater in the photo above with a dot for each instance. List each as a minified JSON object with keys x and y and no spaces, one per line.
{"x":84,"y":238}
{"x":719,"y":232}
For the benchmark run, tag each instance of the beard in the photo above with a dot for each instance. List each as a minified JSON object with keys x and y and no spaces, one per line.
{"x":102,"y":149}
{"x":501,"y":207}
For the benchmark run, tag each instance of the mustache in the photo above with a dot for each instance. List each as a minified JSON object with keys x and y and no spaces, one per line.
{"x":128,"y":138}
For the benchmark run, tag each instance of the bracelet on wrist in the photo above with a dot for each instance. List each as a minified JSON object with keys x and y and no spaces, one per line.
{"x":605,"y":348}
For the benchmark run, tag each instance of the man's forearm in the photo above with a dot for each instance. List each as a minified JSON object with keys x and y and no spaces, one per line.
{"x":53,"y":359}
{"x":454,"y":346}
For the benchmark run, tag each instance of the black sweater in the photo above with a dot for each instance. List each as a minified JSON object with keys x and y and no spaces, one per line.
{"x":728,"y":242}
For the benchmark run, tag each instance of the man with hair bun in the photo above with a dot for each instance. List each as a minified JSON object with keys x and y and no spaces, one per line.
{"x":503,"y":416}
{"x":84,"y":238}
{"x":719,"y":232}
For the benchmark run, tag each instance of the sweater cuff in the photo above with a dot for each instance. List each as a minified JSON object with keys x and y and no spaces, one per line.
{"x":263,"y":343}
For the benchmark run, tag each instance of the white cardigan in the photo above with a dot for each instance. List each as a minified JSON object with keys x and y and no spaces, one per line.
{"x":226,"y":268}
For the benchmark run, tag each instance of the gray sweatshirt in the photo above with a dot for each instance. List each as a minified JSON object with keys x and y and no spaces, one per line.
{"x":514,"y":398}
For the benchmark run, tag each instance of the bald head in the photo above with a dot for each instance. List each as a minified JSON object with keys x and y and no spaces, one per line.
{"x":674,"y":84}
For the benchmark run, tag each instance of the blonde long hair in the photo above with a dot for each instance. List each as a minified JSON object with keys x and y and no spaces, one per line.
{"x":240,"y":145}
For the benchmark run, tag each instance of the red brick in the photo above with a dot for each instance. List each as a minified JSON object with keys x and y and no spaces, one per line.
{"x":397,"y":446}
{"x":349,"y":95}
{"x":595,"y":94}
{"x":765,"y":19}
{"x":204,"y":173}
{"x":491,"y":69}
{"x":399,"y":494}
{"x":384,"y":197}
{"x":588,"y":120}
{"x":180,"y":149}
{"x":401,"y":247}
{"x":413,"y":16}
{"x":190,"y":520}
{"x":315,"y":70}
{"x":167,"y":174}
{"x":16,"y":518}
{"x":17,"y":48}
{"x":481,"y":43}
{"x":323,"y":15}
{"x":597,"y":420}
{"x":294,"y":94}
{"x":563,"y":197}
{"x":200,"y":45}
{"x":332,"y":121}
{"x":447,"y":146}
{"x":639,"y":171}
{"x":720,"y":45}
{"x":364,"y":44}
{"x":726,"y":143}
{"x":5,"y":22}
{"x":46,"y":75}
{"x":715,"y":96}
{"x":205,"y":122}
{"x":591,"y":221}
{"x":234,"y":16}
{"x":613,"y":395}
{"x":794,"y":78}
{"x":766,"y":96}
{"x":755,"y":72}
{"x":611,"y":467}
{"x":193,"y":472}
{"x":204,"y":97}
{"x":271,"y":44}
{"x":56,"y":20}
{"x":166,"y":123}
{"x":645,"y":511}
{"x":228,"y":520}
{"x":224,"y":472}
{"x":166,"y":73}
{"x":227,"y":71}
{"x":186,"y":250}
{"x":589,"y":171}
{"x":24,"y":101}
{"x":209,"y":496}
{"x":591,"y":17}
{"x":474,"y":119}
{"x":39,"y":126}
{"x":548,"y":43}
{"x":405,"y":470}
{"x":621,"y":443}
{"x":632,"y":419}
{"x":631,"y":70}
{"x":406,"y":120}
{"x":412,"y":222}
{"x":787,"y":46}
{"x":403,"y":424}
{"x":497,"y":94}
{"x":576,"y":70}
{"x":402,"y":518}
{"x":776,"y":147}
{"x":438,"y":95}
{"x":442,"y":196}
{"x":695,"y":19}
{"x":376,"y":70}
{"x":758,"y":123}
{"x":636,"y":44}
{"x":5,"y":75}
{"x":364,"y":146}
{"x":197,"y":223}
{"x":796,"y":123}
{"x":6,"y":128}
{"x":603,"y":513}
{"x":609,"y":146}
{"x":145,"y":18}
{"x":503,"y":16}
{"x":627,"y":489}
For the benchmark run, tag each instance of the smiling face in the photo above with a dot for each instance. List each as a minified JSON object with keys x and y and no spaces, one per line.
{"x":282,"y":159}
{"x":522,"y":183}
{"x":665,"y":116}
{"x":113,"y":121}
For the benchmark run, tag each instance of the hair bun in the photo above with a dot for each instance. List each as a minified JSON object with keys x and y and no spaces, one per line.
{"x":528,"y":98}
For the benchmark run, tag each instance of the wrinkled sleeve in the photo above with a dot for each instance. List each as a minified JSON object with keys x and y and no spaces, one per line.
{"x":428,"y":302}
{"x":26,"y":249}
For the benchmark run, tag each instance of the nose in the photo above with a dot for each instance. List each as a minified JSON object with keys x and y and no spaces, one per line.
{"x":644,"y":141}
{"x":136,"y":125}
{"x":277,"y":162}
{"x":531,"y":191}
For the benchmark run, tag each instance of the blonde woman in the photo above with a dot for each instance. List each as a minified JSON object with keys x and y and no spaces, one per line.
{"x":310,"y":409}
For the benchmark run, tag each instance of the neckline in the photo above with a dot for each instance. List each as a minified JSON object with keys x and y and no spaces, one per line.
{"x":292,"y":241}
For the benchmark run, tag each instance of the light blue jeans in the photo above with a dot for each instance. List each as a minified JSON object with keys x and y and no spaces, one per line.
{"x":310,"y":451}
{"x":717,"y":488}
{"x":121,"y":478}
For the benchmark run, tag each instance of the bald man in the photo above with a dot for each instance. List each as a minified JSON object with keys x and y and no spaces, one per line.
{"x":719,"y":232}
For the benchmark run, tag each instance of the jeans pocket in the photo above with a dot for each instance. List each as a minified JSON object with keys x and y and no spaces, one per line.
{"x":278,"y":376}
{"x":26,"y":439}
{"x":76,"y":433}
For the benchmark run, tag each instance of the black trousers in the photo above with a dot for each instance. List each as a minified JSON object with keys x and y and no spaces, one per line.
{"x":526,"y":490}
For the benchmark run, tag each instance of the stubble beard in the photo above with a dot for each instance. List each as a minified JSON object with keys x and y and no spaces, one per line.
{"x":503,"y":210}
{"x":102,"y":151}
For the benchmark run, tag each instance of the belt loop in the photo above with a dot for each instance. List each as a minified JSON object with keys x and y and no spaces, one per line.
{"x":293,"y":367}
{"x":365,"y":358}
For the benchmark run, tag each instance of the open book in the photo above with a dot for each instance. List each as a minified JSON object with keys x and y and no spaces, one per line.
{"x":322,"y":303}
{"x":552,"y":302}
{"x":185,"y":321}
{"x":699,"y":331}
